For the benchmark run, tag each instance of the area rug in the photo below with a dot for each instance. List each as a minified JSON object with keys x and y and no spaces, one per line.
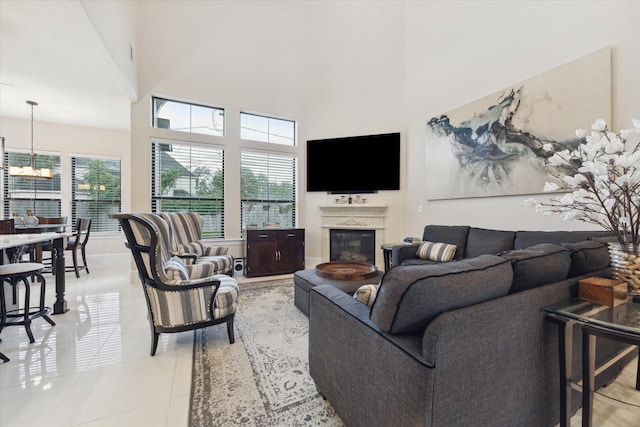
{"x":263,"y":379}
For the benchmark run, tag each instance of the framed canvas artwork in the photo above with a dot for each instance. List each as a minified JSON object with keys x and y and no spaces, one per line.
{"x":494,"y":146}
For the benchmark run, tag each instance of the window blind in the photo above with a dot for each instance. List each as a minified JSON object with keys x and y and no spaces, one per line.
{"x":96,"y":192}
{"x":189,"y":177}
{"x":41,"y":196}
{"x":268,"y":189}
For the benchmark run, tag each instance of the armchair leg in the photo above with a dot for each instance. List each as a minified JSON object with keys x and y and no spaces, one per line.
{"x":232,"y":338}
{"x":154,"y":342}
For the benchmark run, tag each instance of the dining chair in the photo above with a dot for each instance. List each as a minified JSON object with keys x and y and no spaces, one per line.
{"x":39,"y":250}
{"x":79,"y":241}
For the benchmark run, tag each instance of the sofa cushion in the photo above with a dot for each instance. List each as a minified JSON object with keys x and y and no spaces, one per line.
{"x":482,"y":241}
{"x":410,"y":297}
{"x":587,"y":256}
{"x":440,"y":252}
{"x":453,"y":234}
{"x":538,"y":265}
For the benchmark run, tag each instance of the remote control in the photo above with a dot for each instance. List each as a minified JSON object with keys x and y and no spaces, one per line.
{"x":636,"y":298}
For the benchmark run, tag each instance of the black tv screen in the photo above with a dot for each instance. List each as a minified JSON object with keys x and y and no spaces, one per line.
{"x":351,"y":165}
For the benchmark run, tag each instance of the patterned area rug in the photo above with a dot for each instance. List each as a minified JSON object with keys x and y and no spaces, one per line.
{"x":263,"y":379}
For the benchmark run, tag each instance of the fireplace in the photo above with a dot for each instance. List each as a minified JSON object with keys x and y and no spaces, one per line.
{"x":343,"y":218}
{"x":352,"y":245}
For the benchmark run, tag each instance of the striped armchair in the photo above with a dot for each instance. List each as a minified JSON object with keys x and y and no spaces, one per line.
{"x":179,"y":297}
{"x":186,"y":242}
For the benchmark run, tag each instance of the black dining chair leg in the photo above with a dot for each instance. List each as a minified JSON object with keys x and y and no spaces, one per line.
{"x":74,"y":255}
{"x":41,"y":307}
{"x":84,"y":259}
{"x":3,"y":317}
{"x":27,"y":298}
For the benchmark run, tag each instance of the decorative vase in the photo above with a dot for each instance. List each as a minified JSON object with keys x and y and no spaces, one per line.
{"x":625,"y":263}
{"x":30,"y":220}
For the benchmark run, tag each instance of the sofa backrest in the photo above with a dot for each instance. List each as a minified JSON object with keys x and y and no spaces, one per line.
{"x":538,"y":265}
{"x":452,"y":234}
{"x":410,"y":297}
{"x":482,"y":241}
{"x":524,"y":239}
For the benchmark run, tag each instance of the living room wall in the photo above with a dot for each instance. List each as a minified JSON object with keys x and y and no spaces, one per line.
{"x":455,"y":55}
{"x":357,"y":67}
{"x":68,"y":140}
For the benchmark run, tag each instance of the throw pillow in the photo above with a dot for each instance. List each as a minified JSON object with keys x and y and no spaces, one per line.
{"x":410,"y":297}
{"x":441,"y":252}
{"x":192,"y":248}
{"x":175,"y":269}
{"x":366,"y":294}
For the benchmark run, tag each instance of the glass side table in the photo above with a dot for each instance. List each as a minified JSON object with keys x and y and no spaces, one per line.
{"x":621,"y":323}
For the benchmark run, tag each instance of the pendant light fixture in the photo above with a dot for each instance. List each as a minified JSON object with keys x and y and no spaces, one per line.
{"x":30,"y":171}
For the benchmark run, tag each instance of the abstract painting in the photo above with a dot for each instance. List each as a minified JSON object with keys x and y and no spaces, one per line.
{"x":494,"y":146}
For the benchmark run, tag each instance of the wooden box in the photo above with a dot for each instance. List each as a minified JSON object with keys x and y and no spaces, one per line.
{"x":602,"y":291}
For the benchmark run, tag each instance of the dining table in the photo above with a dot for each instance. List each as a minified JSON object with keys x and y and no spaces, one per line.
{"x":38,"y":229}
{"x":59,"y":242}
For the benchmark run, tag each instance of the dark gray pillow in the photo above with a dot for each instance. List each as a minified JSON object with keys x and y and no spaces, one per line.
{"x":587,"y":256}
{"x":410,"y":297}
{"x":452,"y":234}
{"x":525,"y":239}
{"x":538,"y":265}
{"x":482,"y":241}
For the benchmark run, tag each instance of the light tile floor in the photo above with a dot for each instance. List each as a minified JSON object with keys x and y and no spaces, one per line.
{"x":93,"y":368}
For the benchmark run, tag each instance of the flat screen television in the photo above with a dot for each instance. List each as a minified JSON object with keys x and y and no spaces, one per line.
{"x":356,"y":164}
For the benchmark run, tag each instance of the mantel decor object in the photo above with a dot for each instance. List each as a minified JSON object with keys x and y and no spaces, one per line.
{"x":30,"y":171}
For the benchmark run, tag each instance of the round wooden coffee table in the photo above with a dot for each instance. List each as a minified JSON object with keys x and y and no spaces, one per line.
{"x":343,"y":270}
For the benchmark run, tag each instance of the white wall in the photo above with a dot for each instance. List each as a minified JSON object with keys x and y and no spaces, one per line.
{"x":105,"y":17}
{"x":457,"y":52}
{"x":358,"y":67}
{"x":68,"y":141}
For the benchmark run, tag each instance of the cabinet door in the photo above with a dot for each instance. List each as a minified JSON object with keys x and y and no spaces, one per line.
{"x":262,"y":252}
{"x":290,"y":251}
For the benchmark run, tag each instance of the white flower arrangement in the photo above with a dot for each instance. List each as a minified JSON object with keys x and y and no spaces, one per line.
{"x":601,"y":177}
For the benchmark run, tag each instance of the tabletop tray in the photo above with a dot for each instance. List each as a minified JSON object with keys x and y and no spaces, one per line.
{"x":342,"y":270}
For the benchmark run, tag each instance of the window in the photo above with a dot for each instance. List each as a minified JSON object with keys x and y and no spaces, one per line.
{"x":189,"y":178}
{"x":95,"y":192}
{"x":268,"y":190}
{"x":41,"y":196}
{"x":185,"y":117}
{"x":267,"y":129}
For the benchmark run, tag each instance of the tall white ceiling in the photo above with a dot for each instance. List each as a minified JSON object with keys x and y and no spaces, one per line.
{"x":49,"y":53}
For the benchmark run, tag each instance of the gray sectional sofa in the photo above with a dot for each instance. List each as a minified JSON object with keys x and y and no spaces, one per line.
{"x":457,"y":343}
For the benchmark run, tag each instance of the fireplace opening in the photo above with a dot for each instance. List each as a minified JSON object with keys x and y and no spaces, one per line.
{"x":352,"y":245}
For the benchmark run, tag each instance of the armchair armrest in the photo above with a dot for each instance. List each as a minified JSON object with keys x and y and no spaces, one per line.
{"x":186,"y":257}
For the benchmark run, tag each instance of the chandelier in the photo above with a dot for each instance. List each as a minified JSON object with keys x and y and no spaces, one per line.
{"x":30,"y":170}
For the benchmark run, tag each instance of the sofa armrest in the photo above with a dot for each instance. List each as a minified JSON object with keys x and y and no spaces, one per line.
{"x":400,"y":253}
{"x":353,"y":364}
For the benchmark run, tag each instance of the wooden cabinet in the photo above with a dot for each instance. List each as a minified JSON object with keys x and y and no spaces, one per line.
{"x":277,"y":251}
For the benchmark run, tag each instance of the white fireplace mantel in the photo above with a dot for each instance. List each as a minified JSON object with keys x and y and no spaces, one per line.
{"x":354,"y":216}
